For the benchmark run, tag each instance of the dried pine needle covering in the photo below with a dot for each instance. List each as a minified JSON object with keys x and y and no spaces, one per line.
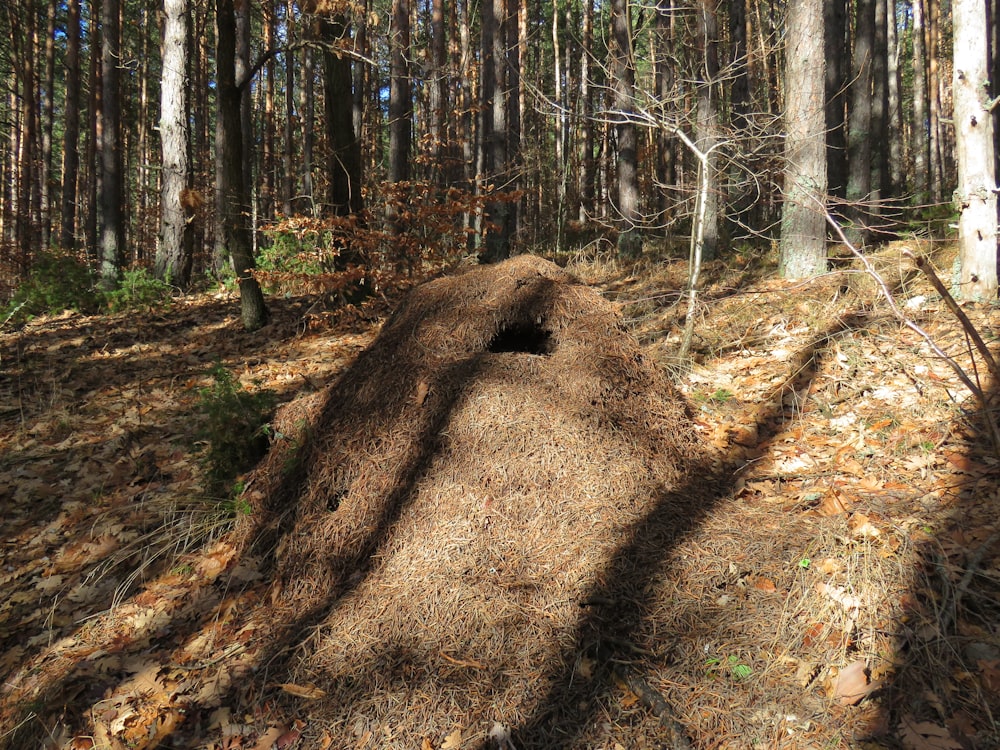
{"x":477,"y":510}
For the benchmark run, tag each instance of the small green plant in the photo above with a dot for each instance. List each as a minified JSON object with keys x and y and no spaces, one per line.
{"x":56,"y":282}
{"x":737,"y":670}
{"x":720,"y":396}
{"x":138,"y":290}
{"x":234,"y":426}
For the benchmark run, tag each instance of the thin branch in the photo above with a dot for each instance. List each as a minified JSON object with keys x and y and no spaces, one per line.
{"x":974,"y":389}
{"x":957,"y":311}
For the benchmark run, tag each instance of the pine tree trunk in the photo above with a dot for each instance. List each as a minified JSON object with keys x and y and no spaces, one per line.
{"x":838,"y":63}
{"x":803,"y":224}
{"x":623,"y":83}
{"x":308,"y":107}
{"x":45,"y":176}
{"x":268,"y":160}
{"x":588,"y":171}
{"x":112,"y":188}
{"x":894,"y":103}
{"x":934,"y":93}
{"x":438,"y":95}
{"x":234,"y":200}
{"x":400,"y":95}
{"x":344,"y":160}
{"x":882,"y":187}
{"x":288,"y":152}
{"x":173,"y":256}
{"x":71,"y":133}
{"x":95,"y":130}
{"x":859,"y":132}
{"x":919,"y":139}
{"x":708,"y":128}
{"x":976,"y":194}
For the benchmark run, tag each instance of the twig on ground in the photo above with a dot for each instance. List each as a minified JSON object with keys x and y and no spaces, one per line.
{"x":973,"y":388}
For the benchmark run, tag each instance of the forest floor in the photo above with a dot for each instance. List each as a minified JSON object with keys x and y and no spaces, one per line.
{"x":843,"y":593}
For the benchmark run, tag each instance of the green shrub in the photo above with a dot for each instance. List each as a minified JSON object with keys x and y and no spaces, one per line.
{"x":235,"y":425}
{"x":56,"y":282}
{"x":138,"y":290}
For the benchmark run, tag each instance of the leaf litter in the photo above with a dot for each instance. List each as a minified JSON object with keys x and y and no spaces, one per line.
{"x":133,"y":617}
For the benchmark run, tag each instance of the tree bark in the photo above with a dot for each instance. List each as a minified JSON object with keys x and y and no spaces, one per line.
{"x":438,"y":95}
{"x":859,"y":135}
{"x":112,"y":188}
{"x":288,"y":151}
{"x":71,"y":133}
{"x":708,"y":129}
{"x":918,"y":138}
{"x":894,"y":100}
{"x":400,"y":95}
{"x":803,"y":223}
{"x":234,"y":200}
{"x":45,"y":175}
{"x":623,"y":77}
{"x":173,"y":255}
{"x":344,"y":161}
{"x":838,"y":63}
{"x":307,"y":105}
{"x":976,"y":194}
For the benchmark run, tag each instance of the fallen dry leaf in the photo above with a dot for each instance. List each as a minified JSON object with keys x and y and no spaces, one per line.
{"x":925,"y":735}
{"x":852,"y":685}
{"x":453,"y":741}
{"x":764,"y":584}
{"x":839,"y":595}
{"x":862,"y":527}
{"x":267,"y":740}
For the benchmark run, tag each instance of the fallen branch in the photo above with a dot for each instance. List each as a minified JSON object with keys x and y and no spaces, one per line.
{"x":957,"y":311}
{"x":973,"y":388}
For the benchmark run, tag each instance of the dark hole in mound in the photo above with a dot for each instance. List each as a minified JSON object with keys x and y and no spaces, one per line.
{"x":521,"y":337}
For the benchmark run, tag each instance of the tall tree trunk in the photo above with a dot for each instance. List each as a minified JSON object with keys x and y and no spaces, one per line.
{"x":25,"y":146}
{"x":708,"y":127}
{"x":934,"y":94}
{"x":803,"y":224}
{"x":400,"y":94}
{"x":438,"y":95}
{"x":895,"y":102}
{"x":838,"y":64}
{"x":95,"y":135}
{"x":588,"y":171}
{"x":491,"y":152}
{"x":344,"y":161}
{"x":45,"y":175}
{"x":288,"y":152}
{"x":174,"y":253}
{"x":344,"y":146}
{"x":112,"y":188}
{"x":880,"y":109}
{"x":71,"y":132}
{"x":859,"y":135}
{"x":976,"y":193}
{"x":623,"y":77}
{"x":268,"y":160}
{"x":307,"y":107}
{"x":919,"y":137}
{"x":517,"y":43}
{"x":234,"y":202}
{"x":203,"y":158}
